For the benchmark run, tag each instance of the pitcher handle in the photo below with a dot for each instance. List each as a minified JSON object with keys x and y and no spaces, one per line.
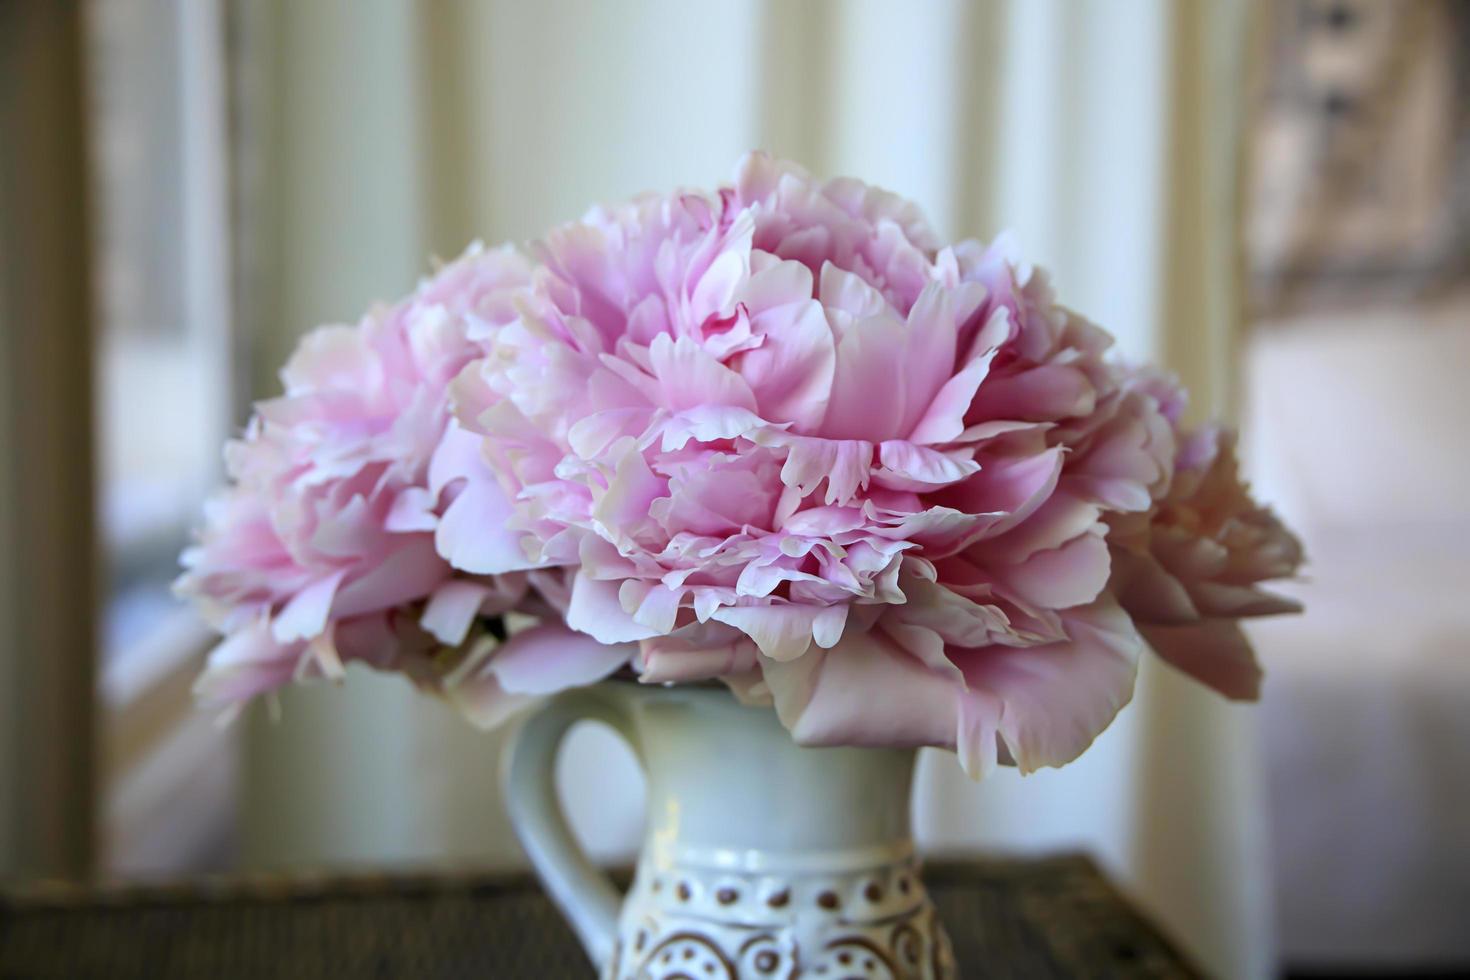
{"x":585,"y":894}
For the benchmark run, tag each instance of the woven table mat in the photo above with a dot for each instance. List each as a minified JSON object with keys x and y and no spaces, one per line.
{"x":1053,"y":917}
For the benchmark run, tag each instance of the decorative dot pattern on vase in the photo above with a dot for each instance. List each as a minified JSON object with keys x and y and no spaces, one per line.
{"x":685,"y":953}
{"x":709,"y":921}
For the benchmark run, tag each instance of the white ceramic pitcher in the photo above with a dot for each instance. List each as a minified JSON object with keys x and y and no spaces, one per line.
{"x":761,"y":858}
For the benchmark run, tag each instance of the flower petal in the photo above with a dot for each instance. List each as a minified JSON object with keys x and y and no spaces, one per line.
{"x":1214,"y":652}
{"x":305,"y":615}
{"x":827,"y":697}
{"x":474,"y":535}
{"x":596,"y":610}
{"x":783,"y":632}
{"x":452,"y":609}
{"x":1056,"y":699}
{"x":550,"y":658}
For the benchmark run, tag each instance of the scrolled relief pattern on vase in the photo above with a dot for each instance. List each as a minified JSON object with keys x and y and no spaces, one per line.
{"x":690,"y":920}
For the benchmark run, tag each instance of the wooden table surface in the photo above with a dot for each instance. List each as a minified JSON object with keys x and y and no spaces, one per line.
{"x":1050,"y":917}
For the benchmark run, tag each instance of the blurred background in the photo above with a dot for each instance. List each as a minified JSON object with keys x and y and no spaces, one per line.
{"x":1272,"y":198}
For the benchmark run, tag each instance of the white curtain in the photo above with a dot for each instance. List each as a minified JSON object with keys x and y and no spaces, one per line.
{"x":1103,"y":132}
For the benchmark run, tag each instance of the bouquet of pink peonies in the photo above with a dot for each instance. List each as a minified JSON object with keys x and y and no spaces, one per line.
{"x":777,"y":435}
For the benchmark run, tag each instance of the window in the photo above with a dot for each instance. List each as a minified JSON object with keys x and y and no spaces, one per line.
{"x":165,"y":399}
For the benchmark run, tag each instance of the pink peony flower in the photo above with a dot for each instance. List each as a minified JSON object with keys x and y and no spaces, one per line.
{"x":323,"y":549}
{"x":1191,"y":566}
{"x":779,"y":437}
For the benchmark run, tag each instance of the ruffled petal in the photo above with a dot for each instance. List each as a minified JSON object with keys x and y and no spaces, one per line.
{"x":549,"y":658}
{"x":791,"y":372}
{"x":689,"y":377}
{"x":783,"y":632}
{"x":305,"y":615}
{"x":828,"y":697}
{"x":596,"y":610}
{"x":1060,"y":578}
{"x":1214,"y":652}
{"x":1054,"y":699}
{"x":529,"y":665}
{"x":407,"y":573}
{"x":701,"y":652}
{"x":944,"y":420}
{"x":247,"y":663}
{"x":452,"y":609}
{"x":474,"y":535}
{"x":1042,"y":394}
